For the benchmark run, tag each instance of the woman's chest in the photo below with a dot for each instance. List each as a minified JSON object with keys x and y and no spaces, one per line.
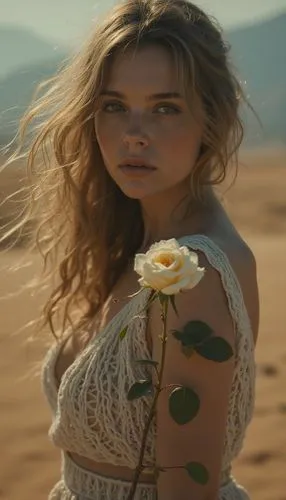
{"x":92,"y":404}
{"x":74,"y":345}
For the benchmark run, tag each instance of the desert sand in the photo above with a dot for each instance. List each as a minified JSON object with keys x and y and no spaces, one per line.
{"x":30,"y":465}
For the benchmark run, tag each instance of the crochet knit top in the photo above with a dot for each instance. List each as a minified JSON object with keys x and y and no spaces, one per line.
{"x":93,"y":418}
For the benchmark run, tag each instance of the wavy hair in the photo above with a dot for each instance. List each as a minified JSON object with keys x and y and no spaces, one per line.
{"x":74,"y":200}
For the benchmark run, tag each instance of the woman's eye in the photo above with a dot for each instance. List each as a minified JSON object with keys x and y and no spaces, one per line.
{"x":168,"y":110}
{"x":113,"y":107}
{"x":117,"y":107}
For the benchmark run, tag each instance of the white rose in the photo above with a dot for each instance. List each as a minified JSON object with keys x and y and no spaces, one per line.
{"x":168,"y":268}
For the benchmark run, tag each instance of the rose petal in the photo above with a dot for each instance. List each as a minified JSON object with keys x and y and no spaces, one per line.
{"x":175,"y":288}
{"x":139,"y":261}
{"x":154,"y":276}
{"x":196,"y":278}
{"x":182,"y":273}
{"x":162,"y":245}
{"x":175,"y":257}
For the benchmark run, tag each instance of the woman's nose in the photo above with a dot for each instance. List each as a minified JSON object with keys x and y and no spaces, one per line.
{"x":135,"y":134}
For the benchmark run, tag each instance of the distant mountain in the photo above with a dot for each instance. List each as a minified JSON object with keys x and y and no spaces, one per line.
{"x":258,"y":54}
{"x":26,"y":60}
{"x":16,"y":91}
{"x":259,"y":51}
{"x":20,"y":47}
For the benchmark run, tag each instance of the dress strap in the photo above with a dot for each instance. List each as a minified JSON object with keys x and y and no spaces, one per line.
{"x":219,"y":261}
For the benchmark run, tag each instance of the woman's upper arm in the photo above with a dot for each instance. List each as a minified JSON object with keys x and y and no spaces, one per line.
{"x":202,"y":439}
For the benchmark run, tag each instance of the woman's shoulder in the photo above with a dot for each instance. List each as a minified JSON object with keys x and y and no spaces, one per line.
{"x":227,"y":251}
{"x":220,"y":237}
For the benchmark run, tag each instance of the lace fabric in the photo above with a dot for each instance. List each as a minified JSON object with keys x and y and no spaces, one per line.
{"x":91,"y":414}
{"x":78,"y":483}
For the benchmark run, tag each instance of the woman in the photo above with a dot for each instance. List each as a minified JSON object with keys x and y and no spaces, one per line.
{"x":138,"y":130}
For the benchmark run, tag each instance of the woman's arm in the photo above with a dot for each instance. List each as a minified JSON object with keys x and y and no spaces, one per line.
{"x":202,"y":439}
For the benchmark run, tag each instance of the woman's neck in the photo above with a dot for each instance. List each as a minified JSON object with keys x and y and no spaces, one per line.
{"x":166,"y":220}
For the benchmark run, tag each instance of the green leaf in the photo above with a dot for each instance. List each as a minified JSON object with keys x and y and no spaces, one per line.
{"x":123,"y":332}
{"x":215,"y":349}
{"x":196,"y":332}
{"x":172,"y":298}
{"x":184,"y":405}
{"x":193,"y":333}
{"x":198,"y":472}
{"x":150,"y":362}
{"x":178,"y":335}
{"x":139,"y":389}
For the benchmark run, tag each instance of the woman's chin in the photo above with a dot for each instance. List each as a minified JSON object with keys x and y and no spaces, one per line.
{"x":133,"y":195}
{"x":136,"y":192}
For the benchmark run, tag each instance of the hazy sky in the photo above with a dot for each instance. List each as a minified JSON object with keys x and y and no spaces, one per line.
{"x":69,"y":20}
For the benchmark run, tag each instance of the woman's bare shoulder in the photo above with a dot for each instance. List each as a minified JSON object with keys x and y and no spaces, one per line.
{"x":244,"y":265}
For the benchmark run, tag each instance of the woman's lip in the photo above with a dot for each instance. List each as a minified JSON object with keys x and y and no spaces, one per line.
{"x":136,"y":170}
{"x":137,"y":163}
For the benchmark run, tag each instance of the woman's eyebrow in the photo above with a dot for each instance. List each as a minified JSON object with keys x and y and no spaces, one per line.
{"x":152,"y":97}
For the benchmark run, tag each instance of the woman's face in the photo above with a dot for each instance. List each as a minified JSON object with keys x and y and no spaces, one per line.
{"x":144,"y":118}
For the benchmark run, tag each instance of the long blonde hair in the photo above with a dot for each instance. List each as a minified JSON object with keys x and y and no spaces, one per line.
{"x":87,"y":229}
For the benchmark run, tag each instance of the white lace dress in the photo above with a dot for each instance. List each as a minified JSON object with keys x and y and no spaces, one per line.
{"x":92,"y":417}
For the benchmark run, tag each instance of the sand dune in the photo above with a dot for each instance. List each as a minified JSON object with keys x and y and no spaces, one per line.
{"x":30,"y":465}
